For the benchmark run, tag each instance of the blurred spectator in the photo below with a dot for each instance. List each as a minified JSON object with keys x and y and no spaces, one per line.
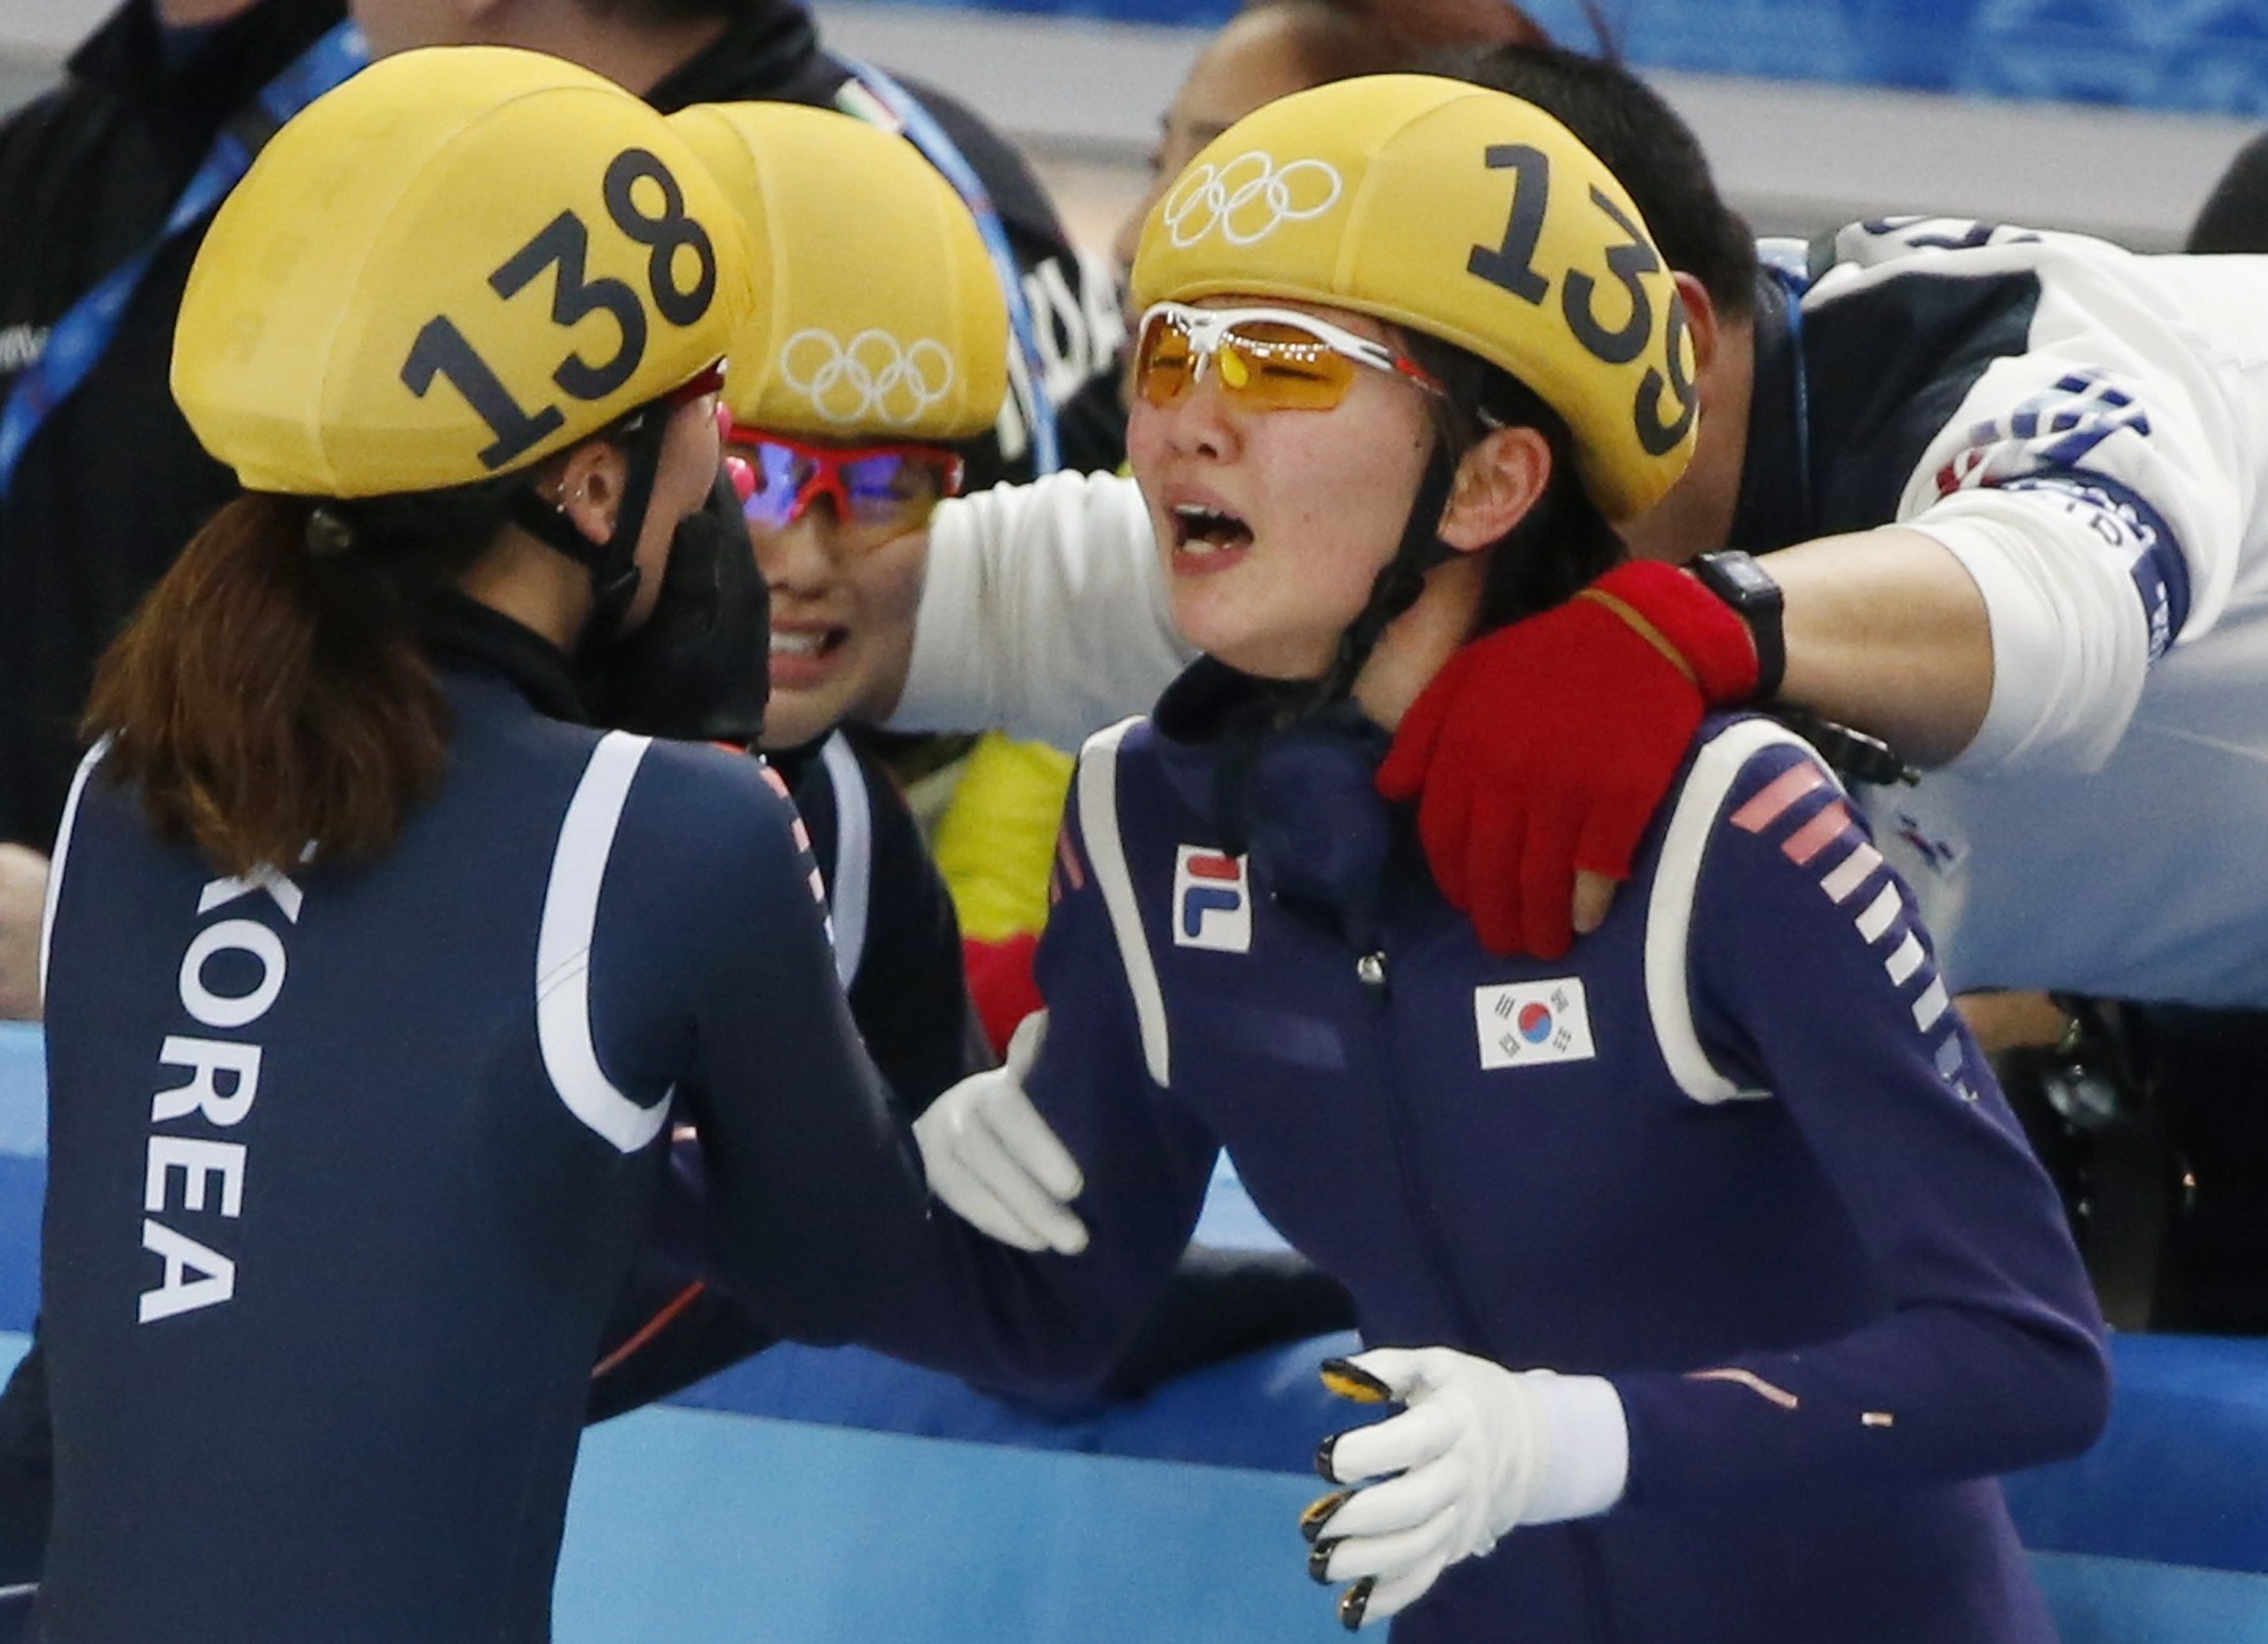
{"x":100,"y":483}
{"x":1273,"y":48}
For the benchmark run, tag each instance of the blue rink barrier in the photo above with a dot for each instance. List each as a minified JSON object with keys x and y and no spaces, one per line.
{"x":834,"y":1496}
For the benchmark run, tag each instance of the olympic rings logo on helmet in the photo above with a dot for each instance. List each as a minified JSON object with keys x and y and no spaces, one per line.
{"x":1249,"y":198}
{"x":873,"y":379}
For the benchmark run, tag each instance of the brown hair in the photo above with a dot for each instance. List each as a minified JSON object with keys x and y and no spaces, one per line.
{"x":268,"y":698}
{"x":1338,"y":40}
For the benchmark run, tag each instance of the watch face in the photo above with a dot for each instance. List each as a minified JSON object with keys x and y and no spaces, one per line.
{"x":1748,"y":577}
{"x":1743,"y":578}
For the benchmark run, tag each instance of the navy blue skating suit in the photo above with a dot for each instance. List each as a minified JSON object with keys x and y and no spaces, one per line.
{"x":346,"y":1164}
{"x":898,"y":956}
{"x":898,"y":952}
{"x":1736,"y":1153}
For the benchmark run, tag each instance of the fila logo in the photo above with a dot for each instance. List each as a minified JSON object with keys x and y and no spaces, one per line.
{"x":1212,"y":904}
{"x":1531,"y":1024}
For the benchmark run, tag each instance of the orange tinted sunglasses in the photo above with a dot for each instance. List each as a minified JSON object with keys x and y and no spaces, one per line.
{"x":1265,"y":359}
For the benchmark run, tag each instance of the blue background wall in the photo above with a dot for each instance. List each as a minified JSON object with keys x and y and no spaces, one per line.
{"x":2206,"y":56}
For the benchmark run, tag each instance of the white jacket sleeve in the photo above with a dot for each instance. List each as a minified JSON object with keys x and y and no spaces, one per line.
{"x":2070,"y":643}
{"x":1044,"y":613}
{"x":2104,"y":486}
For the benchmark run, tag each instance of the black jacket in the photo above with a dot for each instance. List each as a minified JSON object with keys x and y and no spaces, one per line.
{"x":113,"y":485}
{"x":907,"y":990}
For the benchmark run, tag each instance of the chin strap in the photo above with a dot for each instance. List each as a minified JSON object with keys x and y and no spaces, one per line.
{"x":612,"y":564}
{"x":1400,"y":580}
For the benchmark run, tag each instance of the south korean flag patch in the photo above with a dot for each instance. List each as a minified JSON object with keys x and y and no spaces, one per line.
{"x":1533,"y":1024}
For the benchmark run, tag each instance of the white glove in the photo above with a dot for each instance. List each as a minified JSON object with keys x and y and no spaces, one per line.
{"x":993,"y":1159}
{"x":1479,"y":1450}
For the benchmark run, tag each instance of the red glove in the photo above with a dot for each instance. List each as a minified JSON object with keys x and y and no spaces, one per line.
{"x":1547,"y":746}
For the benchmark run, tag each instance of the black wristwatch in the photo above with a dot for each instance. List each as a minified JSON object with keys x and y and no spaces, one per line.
{"x":1744,"y":585}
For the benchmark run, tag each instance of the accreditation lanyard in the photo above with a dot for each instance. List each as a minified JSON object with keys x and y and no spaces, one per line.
{"x":77,"y":340}
{"x":922,"y":130}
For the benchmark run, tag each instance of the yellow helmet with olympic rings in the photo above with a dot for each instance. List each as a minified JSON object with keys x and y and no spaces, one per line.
{"x":882,"y":314}
{"x":1464,"y":214}
{"x":455,"y":263}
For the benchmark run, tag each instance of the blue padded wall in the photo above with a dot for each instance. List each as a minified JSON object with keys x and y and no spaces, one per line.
{"x":2206,"y":56}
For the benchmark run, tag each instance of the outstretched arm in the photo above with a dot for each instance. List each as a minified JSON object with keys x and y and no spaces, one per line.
{"x":1044,"y":613}
{"x":814,"y":1206}
{"x":1886,"y":632}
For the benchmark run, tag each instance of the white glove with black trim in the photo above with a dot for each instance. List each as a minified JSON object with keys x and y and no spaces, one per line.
{"x":1477,"y":1451}
{"x":992,"y":1159}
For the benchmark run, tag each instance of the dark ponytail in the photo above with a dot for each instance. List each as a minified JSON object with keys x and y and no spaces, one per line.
{"x":269,"y":695}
